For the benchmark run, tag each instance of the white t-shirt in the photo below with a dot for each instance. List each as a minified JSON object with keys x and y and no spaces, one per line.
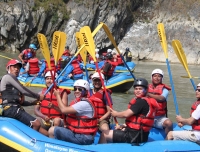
{"x":83,"y":108}
{"x":196,"y":115}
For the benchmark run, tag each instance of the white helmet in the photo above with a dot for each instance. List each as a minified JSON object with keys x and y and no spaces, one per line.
{"x":48,"y":74}
{"x":109,"y":50}
{"x":96,"y":50}
{"x":96,"y":75}
{"x":198,"y":85}
{"x":82,"y":83}
{"x":97,"y":56}
{"x":159,"y":71}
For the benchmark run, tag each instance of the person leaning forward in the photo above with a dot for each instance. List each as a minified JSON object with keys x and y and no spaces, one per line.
{"x":13,"y":97}
{"x":139,"y":118}
{"x":48,"y":112}
{"x":81,"y":117}
{"x":159,"y":92}
{"x":194,"y":121}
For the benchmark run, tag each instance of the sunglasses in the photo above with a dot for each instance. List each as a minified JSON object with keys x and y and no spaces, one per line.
{"x":79,"y":89}
{"x":198,"y":90}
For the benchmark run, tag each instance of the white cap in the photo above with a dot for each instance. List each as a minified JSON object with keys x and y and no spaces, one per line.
{"x":48,"y":74}
{"x":97,"y":56}
{"x":198,"y":85}
{"x":109,"y":50}
{"x":159,"y":71}
{"x":96,"y":75}
{"x":82,"y":83}
{"x":96,"y":50}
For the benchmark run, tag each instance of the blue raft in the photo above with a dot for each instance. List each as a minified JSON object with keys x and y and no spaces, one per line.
{"x":16,"y":136}
{"x":119,"y":82}
{"x":118,"y":69}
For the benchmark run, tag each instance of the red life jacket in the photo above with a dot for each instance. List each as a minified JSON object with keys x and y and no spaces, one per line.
{"x":100,"y":106}
{"x":79,"y":58}
{"x":76,"y":66}
{"x":82,"y":124}
{"x":52,"y":64}
{"x":119,"y":60}
{"x":90,"y":58}
{"x":33,"y":66}
{"x":25,"y":54}
{"x":196,"y":124}
{"x":44,"y":105}
{"x":66,"y":53}
{"x":110,"y":71}
{"x":162,"y":110}
{"x":140,"y":121}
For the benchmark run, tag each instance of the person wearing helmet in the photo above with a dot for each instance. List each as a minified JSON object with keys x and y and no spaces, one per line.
{"x":103,"y":107}
{"x":23,"y":56}
{"x":109,"y":66}
{"x":73,"y":71}
{"x":159,"y":92}
{"x":128,"y":55}
{"x":192,"y":135}
{"x":32,"y":66}
{"x":67,"y":52}
{"x":48,"y":112}
{"x":139,"y":118}
{"x":13,"y":97}
{"x":81,"y":117}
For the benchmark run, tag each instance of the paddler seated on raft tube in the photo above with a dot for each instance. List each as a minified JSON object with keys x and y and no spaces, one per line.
{"x":194,"y":121}
{"x":81,"y":117}
{"x":139,"y":118}
{"x":13,"y":93}
{"x":109,"y":66}
{"x":102,"y":107}
{"x":73,"y":71}
{"x":47,"y":111}
{"x":23,"y":56}
{"x":159,"y":91}
{"x":32,"y":66}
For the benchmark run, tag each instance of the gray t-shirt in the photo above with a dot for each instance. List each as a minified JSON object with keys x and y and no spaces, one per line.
{"x":84,"y":108}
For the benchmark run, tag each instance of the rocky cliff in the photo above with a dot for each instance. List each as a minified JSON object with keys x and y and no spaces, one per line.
{"x":133,"y":24}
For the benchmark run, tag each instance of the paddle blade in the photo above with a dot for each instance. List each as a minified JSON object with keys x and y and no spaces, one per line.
{"x":176,"y":44}
{"x":97,"y":29}
{"x":58,"y":45}
{"x":44,"y":48}
{"x":80,"y":42}
{"x":88,"y":40}
{"x":162,"y":36}
{"x":110,"y":36}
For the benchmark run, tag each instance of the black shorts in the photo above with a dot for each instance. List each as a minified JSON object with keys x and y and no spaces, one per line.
{"x":19,"y":114}
{"x":129,"y":136}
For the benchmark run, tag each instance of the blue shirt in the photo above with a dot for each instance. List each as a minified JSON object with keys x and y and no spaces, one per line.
{"x":69,"y":70}
{"x":165,"y":93}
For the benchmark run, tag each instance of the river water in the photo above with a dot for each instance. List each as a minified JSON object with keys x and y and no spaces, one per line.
{"x":185,"y":94}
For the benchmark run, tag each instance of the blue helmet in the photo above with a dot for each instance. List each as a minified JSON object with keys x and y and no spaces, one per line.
{"x":32,"y":46}
{"x":127,"y":49}
{"x":29,"y":55}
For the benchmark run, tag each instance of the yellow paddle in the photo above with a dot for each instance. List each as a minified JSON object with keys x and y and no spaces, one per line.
{"x":28,"y":84}
{"x":182,"y":58}
{"x":163,"y":41}
{"x":44,"y":48}
{"x":89,"y":44}
{"x":191,"y":77}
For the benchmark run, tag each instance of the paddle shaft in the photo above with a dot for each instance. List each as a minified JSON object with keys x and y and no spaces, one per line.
{"x":6,"y":57}
{"x":172,"y":86}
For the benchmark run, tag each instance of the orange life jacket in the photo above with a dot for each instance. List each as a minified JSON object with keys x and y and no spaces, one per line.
{"x":110,"y":71}
{"x":33,"y":66}
{"x":100,"y":106}
{"x":140,"y":121}
{"x":76,"y":66}
{"x":196,"y":124}
{"x":82,"y":124}
{"x":44,"y":105}
{"x":162,"y":110}
{"x":52,"y":64}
